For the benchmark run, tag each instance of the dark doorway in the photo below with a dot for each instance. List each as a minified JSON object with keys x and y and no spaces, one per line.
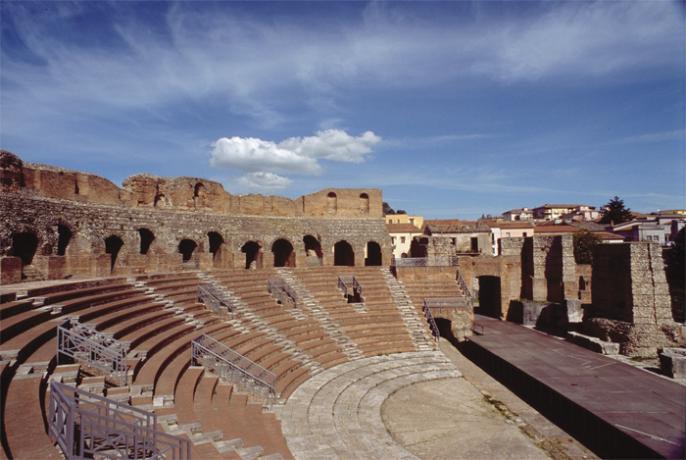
{"x":445,"y":330}
{"x":24,"y":245}
{"x":489,"y":297}
{"x":147,"y":237}
{"x":63,"y":238}
{"x":313,"y":250}
{"x":186,"y":248}
{"x":216,"y":241}
{"x":283,"y":253}
{"x":253,"y":256}
{"x":364,"y":203}
{"x":113,"y":245}
{"x":474,"y":244}
{"x":331,"y":203}
{"x":343,"y":254}
{"x":373,"y":254}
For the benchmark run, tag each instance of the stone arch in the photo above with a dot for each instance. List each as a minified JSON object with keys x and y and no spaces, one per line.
{"x":216,"y":242}
{"x":313,"y":250}
{"x":113,"y":245}
{"x":343,"y":254}
{"x":374,"y":257}
{"x":364,"y":203}
{"x":284,"y":255}
{"x":24,"y":246}
{"x":146,"y":238}
{"x":331,"y":203}
{"x":64,"y":236}
{"x":253,"y":254}
{"x":186,"y":248}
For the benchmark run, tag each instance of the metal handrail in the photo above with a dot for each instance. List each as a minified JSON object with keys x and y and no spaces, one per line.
{"x":282,"y":291}
{"x":349,"y":281}
{"x":84,"y":424}
{"x":432,"y":322}
{"x":445,"y":302}
{"x":463,"y":286}
{"x":84,"y":343}
{"x":207,"y":345}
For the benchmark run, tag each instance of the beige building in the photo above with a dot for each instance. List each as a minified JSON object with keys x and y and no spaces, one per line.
{"x":514,"y":215}
{"x":558,"y":211}
{"x":401,"y":238}
{"x":467,"y":237}
{"x":417,"y":221}
{"x":501,"y":230}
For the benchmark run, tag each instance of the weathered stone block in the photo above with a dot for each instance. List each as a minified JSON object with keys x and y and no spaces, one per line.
{"x":10,"y":270}
{"x":673,"y":362}
{"x":593,"y":343}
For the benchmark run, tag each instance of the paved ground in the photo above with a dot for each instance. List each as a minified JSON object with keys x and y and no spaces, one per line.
{"x":611,"y":405}
{"x":450,"y":419}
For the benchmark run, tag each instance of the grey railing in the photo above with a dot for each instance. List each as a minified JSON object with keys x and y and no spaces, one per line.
{"x":86,"y":425}
{"x":432,"y":322}
{"x":349,"y":283}
{"x":85,"y":344}
{"x":209,"y":295}
{"x":282,"y":291}
{"x":230,"y":364}
{"x":445,"y":302}
{"x":465,"y":290}
{"x":434,"y":261}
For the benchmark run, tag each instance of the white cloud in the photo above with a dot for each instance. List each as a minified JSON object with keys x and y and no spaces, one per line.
{"x":297,"y":155}
{"x":264,"y":181}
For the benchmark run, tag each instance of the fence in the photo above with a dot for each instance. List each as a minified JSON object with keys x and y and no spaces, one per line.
{"x":85,"y":425}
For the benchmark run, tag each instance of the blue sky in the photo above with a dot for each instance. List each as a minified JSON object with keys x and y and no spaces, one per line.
{"x":454,"y":109}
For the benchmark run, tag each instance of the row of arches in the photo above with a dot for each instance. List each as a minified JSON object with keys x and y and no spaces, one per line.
{"x":25,"y":245}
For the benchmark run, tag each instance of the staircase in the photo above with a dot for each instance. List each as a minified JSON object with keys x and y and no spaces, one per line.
{"x":332,"y":329}
{"x":168,"y":303}
{"x":416,"y":325}
{"x":243,"y":312}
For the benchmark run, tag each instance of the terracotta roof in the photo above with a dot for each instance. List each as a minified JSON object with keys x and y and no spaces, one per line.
{"x":562,"y":228}
{"x":608,"y":236}
{"x":515,"y":224}
{"x":549,"y":205}
{"x":402,"y":228}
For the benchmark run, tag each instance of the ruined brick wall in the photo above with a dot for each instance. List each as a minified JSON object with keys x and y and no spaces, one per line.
{"x":43,"y":201}
{"x":554,"y":268}
{"x":631,"y":301}
{"x":180,"y":193}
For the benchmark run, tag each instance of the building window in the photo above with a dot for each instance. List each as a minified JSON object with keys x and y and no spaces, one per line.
{"x":402,"y":240}
{"x":393,"y":240}
{"x":412,"y":220}
{"x":507,"y":234}
{"x":453,"y":241}
{"x":524,"y":235}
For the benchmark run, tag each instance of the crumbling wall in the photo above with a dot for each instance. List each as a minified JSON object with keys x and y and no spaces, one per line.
{"x":631,"y":302}
{"x":554,"y":269}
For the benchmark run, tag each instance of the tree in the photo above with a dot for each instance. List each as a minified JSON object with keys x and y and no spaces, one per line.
{"x":387,"y":210}
{"x":615,"y":212}
{"x":583,"y":246}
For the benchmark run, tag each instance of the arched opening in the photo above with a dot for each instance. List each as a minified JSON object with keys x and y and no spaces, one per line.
{"x":24,"y":245}
{"x":216,"y":241}
{"x":331,"y":203}
{"x":113,"y":245}
{"x":186,"y":248}
{"x":159,"y":200}
{"x":284,"y":256}
{"x":313,"y":250}
{"x":64,"y":235}
{"x":489,"y":297}
{"x":343,"y":254}
{"x":253,"y":256}
{"x":147,"y":237}
{"x":198,"y":189}
{"x":373,"y":254}
{"x":364,"y":203}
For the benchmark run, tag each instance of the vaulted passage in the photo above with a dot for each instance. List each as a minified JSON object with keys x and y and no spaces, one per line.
{"x":283,"y":253}
{"x":64,"y":235}
{"x":186,"y":248}
{"x":253,"y":256}
{"x":343,"y":254}
{"x":113,"y":245}
{"x":331,"y":203}
{"x":216,"y":241}
{"x":24,"y":245}
{"x":313,"y":250}
{"x":489,"y":296}
{"x":147,"y":237}
{"x":373,"y":254}
{"x":364,"y":203}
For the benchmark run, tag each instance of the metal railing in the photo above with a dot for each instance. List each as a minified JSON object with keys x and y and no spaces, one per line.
{"x":224,"y":360}
{"x":282,"y":291}
{"x":346,"y":283}
{"x":446,"y":302}
{"x":432,"y":322}
{"x":434,"y":261}
{"x":465,"y":290}
{"x":86,"y":425}
{"x":209,"y":295}
{"x":85,"y":344}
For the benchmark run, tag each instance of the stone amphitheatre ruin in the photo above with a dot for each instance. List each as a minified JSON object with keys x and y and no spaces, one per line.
{"x":168,"y":318}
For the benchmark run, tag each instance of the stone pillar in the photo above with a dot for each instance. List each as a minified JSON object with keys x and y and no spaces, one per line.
{"x":10,"y":270}
{"x":570,"y":282}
